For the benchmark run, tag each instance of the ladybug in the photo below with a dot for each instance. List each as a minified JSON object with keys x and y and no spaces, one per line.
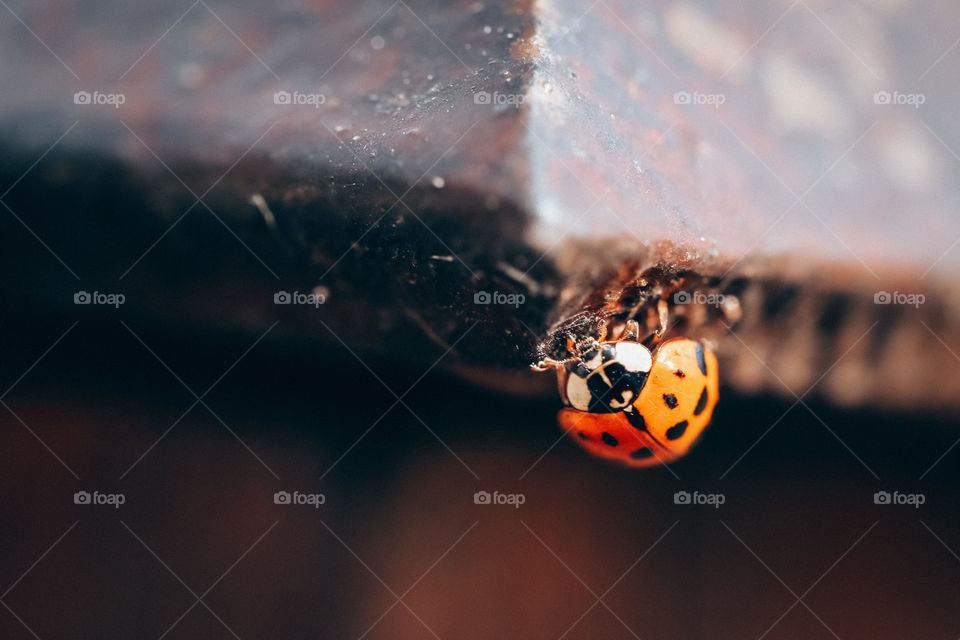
{"x":637,"y":405}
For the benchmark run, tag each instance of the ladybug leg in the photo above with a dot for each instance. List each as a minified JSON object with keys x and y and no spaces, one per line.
{"x":572,"y":345}
{"x":577,"y":349}
{"x":662,"y":314}
{"x":549,"y":364}
{"x":631,"y":331}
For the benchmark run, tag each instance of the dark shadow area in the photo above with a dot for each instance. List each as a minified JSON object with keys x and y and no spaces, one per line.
{"x":797,"y":489}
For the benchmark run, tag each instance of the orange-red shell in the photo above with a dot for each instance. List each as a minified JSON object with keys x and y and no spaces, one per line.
{"x":669,"y":414}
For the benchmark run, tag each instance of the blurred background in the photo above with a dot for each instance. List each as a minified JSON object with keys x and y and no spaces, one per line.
{"x":101,"y":413}
{"x":188,"y":455}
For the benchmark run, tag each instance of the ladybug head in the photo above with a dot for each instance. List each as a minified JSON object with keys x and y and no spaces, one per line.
{"x":608,"y":377}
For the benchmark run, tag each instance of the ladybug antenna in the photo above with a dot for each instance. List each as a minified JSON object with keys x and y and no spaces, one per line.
{"x":663,"y":312}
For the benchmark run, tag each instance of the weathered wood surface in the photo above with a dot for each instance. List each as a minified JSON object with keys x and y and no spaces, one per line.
{"x":543,"y":149}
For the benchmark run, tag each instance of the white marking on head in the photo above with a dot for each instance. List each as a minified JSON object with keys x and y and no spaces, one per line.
{"x":634,"y":357}
{"x":577,"y":393}
{"x":626,"y":397}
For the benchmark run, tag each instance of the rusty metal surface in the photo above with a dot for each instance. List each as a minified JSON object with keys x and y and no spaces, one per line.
{"x":545,"y":149}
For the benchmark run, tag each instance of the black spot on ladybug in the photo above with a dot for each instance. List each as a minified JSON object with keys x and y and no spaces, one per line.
{"x":609,"y":439}
{"x":670,"y":400}
{"x":679,"y":373}
{"x":701,"y":403}
{"x":583,"y":435}
{"x":636,"y":420}
{"x":701,"y":361}
{"x":642,"y":453}
{"x":677,"y":430}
